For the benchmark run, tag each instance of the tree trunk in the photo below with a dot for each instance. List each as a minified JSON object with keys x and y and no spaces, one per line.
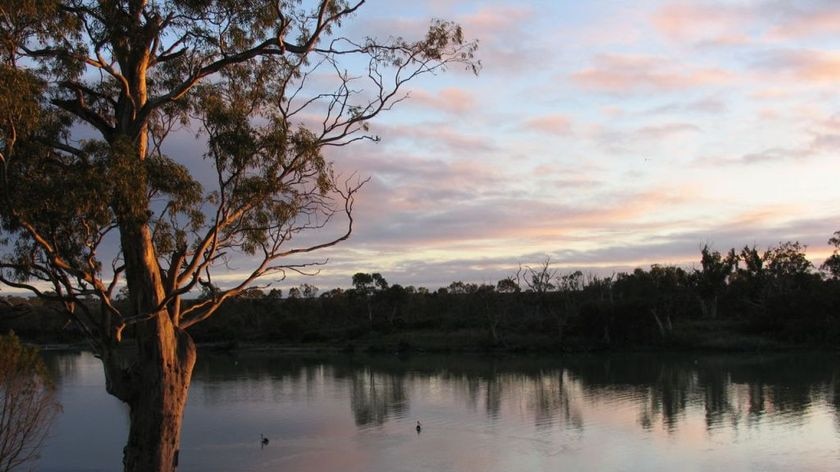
{"x":157,"y":407}
{"x":658,"y":322}
{"x":153,"y":380}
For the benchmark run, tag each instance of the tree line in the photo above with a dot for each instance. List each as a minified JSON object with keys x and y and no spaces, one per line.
{"x":740,"y":299}
{"x":743,"y":299}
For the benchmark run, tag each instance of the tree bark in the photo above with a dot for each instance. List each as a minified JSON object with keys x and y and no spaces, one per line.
{"x":153,"y":379}
{"x":157,"y":406}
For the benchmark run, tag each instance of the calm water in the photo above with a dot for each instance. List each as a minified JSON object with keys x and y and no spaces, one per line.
{"x":342,"y":413}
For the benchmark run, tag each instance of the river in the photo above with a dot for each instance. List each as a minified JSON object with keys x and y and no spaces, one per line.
{"x":350,"y":413}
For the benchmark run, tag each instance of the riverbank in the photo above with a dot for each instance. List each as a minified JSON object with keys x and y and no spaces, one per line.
{"x":703,"y":338}
{"x":717,"y":337}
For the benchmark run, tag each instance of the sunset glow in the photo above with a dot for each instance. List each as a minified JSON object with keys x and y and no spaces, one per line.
{"x":603,"y":136}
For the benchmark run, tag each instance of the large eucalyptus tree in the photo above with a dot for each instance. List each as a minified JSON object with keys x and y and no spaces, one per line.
{"x":90,"y":90}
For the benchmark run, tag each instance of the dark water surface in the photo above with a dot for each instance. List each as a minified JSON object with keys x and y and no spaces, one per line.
{"x":358,"y":413}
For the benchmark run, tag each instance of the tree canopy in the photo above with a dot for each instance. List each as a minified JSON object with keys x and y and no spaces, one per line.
{"x":243,"y":75}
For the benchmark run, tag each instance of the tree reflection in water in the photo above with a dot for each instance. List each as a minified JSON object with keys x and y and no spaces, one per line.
{"x":732,"y":390}
{"x":374,"y":397}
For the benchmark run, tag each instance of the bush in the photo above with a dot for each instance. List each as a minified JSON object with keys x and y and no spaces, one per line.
{"x":27,"y":403}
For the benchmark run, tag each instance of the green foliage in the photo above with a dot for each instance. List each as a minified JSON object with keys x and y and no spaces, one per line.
{"x":249,"y":73}
{"x":24,"y":23}
{"x":20,"y":106}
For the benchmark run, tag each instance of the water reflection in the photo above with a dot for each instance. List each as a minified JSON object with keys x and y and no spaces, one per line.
{"x":374,"y":397}
{"x":731,"y":390}
{"x":502,"y":414}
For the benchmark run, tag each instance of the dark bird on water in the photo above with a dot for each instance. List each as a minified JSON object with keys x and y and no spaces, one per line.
{"x":263,"y":440}
{"x":419,"y":427}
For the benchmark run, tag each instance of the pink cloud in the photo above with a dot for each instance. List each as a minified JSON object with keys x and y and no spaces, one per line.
{"x":551,"y":124}
{"x":451,"y":100}
{"x":821,"y":19}
{"x":766,"y":215}
{"x":726,"y":24}
{"x":640,"y":73}
{"x":823,"y":67}
{"x":802,"y":65}
{"x":437,"y":136}
{"x":508,"y":217}
{"x":702,"y":23}
{"x":493,"y":19}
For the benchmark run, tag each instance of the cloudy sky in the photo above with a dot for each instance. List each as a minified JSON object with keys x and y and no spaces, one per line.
{"x":605,"y":135}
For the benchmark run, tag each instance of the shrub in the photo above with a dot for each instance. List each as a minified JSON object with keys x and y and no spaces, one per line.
{"x":27,"y":403}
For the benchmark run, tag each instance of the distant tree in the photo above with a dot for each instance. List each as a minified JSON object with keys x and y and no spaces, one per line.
{"x":334,"y":293}
{"x":494,"y":309}
{"x":571,"y":282}
{"x":91,"y":92}
{"x":789,"y":268}
{"x":462,"y":288}
{"x":751,"y":278}
{"x":209,"y":291}
{"x":379,"y":282}
{"x":540,"y":279}
{"x":27,"y":403}
{"x":364,"y":285}
{"x":456,"y":288}
{"x":393,"y":298}
{"x":294,"y":293}
{"x":122,"y":294}
{"x":362,"y":282}
{"x":569,"y":288}
{"x":712,"y":278}
{"x":507,"y":285}
{"x":669,"y":285}
{"x":662,"y":292}
{"x":253,"y":293}
{"x":753,"y":260}
{"x":309,"y":291}
{"x":602,"y":287}
{"x":788,"y":260}
{"x":832,"y":264}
